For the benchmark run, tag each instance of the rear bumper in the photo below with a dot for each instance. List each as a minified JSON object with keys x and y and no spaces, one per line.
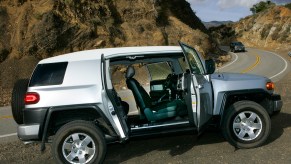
{"x":28,"y":132}
{"x":33,"y":119}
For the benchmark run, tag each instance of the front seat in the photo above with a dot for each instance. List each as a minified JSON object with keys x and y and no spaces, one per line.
{"x":152,"y":112}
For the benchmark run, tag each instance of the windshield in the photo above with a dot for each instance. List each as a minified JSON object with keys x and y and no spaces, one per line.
{"x":238,"y":44}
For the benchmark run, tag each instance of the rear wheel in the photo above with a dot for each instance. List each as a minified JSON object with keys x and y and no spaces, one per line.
{"x":79,"y":142}
{"x":246,"y":124}
{"x":17,"y":100}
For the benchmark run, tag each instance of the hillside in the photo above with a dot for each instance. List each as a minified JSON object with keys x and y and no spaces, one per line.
{"x":35,"y":29}
{"x":268,"y":29}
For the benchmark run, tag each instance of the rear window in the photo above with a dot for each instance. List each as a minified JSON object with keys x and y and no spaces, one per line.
{"x":49,"y":74}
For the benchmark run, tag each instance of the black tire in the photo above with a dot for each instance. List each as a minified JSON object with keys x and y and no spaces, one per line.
{"x":17,"y":100}
{"x":247,"y":135}
{"x":83,"y":129}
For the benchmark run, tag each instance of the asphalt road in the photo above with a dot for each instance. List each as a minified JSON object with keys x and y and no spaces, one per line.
{"x":7,"y":125}
{"x":209,"y":148}
{"x":258,"y":62}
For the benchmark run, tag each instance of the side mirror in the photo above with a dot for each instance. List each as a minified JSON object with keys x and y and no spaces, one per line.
{"x":210,"y":66}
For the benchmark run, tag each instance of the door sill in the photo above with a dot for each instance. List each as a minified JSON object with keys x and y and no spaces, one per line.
{"x":161,"y":128}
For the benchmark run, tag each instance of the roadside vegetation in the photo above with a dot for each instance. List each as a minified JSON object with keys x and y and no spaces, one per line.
{"x":288,"y":5}
{"x":261,"y":6}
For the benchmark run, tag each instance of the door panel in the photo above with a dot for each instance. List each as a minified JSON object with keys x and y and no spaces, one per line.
{"x":201,"y":89}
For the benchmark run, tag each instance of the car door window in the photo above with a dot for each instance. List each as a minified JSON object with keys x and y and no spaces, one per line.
{"x":196,"y":66}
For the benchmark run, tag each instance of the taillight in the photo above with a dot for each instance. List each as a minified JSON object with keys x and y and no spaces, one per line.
{"x":270,"y":85}
{"x":31,"y":98}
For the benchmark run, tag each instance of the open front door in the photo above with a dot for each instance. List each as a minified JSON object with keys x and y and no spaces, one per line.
{"x":201,"y":87}
{"x":112,"y":102}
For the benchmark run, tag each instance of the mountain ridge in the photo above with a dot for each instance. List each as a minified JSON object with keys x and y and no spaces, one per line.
{"x":216,"y":23}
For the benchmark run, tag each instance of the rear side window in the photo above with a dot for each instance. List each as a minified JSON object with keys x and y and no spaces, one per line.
{"x":49,"y":74}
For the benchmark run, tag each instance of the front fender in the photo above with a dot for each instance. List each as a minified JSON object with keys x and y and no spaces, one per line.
{"x":225,"y":99}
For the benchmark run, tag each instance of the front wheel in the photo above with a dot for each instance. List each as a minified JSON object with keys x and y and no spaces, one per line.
{"x":246,"y":124}
{"x":79,"y":142}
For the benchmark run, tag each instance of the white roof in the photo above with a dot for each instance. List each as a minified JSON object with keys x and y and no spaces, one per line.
{"x":111,"y":52}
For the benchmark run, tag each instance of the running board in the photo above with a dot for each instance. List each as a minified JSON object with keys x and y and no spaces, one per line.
{"x":158,"y":129}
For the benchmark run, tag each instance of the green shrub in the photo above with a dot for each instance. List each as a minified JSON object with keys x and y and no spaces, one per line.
{"x":261,"y":6}
{"x":288,"y":5}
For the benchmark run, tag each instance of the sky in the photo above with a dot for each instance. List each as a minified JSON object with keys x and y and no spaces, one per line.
{"x":225,"y":10}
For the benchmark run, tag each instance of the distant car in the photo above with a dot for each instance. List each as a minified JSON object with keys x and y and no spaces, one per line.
{"x":237,"y":46}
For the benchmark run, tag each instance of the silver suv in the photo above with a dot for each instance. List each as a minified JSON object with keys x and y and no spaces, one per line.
{"x":84,"y":100}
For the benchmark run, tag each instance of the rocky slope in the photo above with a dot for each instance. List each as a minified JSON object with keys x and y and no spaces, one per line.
{"x":31,"y":30}
{"x":268,"y":29}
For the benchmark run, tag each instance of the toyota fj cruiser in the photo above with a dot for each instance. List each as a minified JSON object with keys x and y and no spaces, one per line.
{"x":77,"y":102}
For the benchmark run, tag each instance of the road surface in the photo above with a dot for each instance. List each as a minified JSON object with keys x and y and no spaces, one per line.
{"x":257,"y":62}
{"x":7,"y":125}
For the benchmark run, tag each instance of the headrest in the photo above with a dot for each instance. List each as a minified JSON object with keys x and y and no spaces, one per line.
{"x":129,"y":72}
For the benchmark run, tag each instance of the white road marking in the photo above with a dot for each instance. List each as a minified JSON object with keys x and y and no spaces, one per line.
{"x":8,"y":135}
{"x":236,"y":57}
{"x":286,"y":65}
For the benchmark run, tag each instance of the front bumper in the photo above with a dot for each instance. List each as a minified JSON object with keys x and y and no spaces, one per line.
{"x":239,"y":49}
{"x":277,"y":103}
{"x":28,"y":132}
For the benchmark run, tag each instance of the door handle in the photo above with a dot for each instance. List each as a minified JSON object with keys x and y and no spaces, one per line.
{"x":199,"y":86}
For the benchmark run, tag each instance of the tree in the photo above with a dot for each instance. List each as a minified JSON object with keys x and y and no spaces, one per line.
{"x":261,"y":6}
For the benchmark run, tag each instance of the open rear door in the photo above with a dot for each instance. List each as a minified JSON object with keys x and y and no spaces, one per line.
{"x":201,"y":87}
{"x":113,"y":103}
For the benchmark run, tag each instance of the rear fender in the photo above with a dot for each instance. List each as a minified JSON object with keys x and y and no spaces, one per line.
{"x":96,"y":115}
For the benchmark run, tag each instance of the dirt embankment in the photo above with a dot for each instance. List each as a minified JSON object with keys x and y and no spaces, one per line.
{"x":31,"y":30}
